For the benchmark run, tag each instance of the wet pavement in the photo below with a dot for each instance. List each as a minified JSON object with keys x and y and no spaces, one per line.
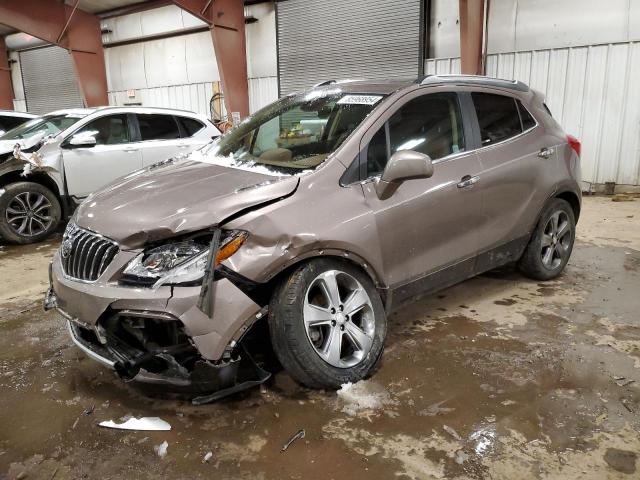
{"x":499,"y":377}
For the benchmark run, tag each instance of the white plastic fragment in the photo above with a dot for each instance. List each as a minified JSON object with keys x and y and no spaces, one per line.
{"x":207,"y":457}
{"x":161,"y":449}
{"x":362,"y":396}
{"x":144,"y":423}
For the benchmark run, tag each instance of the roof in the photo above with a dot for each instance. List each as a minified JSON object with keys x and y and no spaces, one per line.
{"x":386,"y":87}
{"x":13,"y":113}
{"x":474,"y":80}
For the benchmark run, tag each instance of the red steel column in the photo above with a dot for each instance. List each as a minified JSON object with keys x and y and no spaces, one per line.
{"x":226,"y":18}
{"x":78,"y":32}
{"x":471,"y":35}
{"x":6,"y":89}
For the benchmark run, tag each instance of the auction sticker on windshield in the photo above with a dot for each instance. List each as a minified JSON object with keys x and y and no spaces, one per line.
{"x":360,"y":99}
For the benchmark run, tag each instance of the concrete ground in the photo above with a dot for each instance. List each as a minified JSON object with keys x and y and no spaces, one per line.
{"x":499,"y":377}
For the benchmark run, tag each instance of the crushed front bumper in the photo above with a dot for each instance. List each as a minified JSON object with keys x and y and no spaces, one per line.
{"x":159,"y":339}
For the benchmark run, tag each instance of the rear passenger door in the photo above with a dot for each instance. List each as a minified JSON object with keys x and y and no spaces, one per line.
{"x":159,"y":137}
{"x":516,"y":160}
{"x":427,"y":225}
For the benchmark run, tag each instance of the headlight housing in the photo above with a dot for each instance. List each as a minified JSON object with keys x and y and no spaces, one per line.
{"x":180,"y":263}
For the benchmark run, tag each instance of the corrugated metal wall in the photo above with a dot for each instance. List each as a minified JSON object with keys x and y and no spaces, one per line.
{"x":321,"y":40}
{"x":196,"y":96}
{"x":592,"y":91}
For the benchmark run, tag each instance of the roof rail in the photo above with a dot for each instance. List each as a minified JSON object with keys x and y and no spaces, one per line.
{"x":324,"y":84}
{"x":475,"y":80}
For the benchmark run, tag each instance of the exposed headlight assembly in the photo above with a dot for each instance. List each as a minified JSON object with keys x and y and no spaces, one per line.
{"x":181,"y":262}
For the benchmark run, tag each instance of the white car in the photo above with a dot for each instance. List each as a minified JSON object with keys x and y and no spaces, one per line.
{"x":49,"y":164}
{"x":10,"y":119}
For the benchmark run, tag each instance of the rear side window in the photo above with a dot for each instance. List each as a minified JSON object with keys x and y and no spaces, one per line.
{"x":525,"y":117}
{"x":190,"y":126}
{"x":157,"y":127}
{"x":498,"y":117}
{"x":430,"y":124}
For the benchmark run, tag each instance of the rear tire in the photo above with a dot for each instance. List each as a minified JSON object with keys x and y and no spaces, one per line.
{"x":326,"y":336}
{"x":551,"y":244}
{"x":29,"y":212}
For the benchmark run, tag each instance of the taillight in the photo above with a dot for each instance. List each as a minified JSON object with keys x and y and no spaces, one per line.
{"x":574,"y":143}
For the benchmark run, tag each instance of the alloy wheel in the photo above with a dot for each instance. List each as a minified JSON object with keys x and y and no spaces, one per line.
{"x":556,"y":240}
{"x":29,"y":214}
{"x":339,"y":319}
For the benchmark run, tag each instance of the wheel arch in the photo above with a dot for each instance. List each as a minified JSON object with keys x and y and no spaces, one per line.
{"x":573,"y":200}
{"x":40,"y":178}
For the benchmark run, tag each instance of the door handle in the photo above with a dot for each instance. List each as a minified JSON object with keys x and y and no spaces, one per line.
{"x":130,"y":150}
{"x":545,"y":153}
{"x":467,"y":181}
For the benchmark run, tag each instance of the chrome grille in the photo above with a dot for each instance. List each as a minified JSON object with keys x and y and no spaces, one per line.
{"x":85,"y":255}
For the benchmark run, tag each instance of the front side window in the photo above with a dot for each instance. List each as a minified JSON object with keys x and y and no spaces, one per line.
{"x":430,"y":124}
{"x":108,"y":130}
{"x":49,"y":125}
{"x":295,"y":133}
{"x":157,"y":127}
{"x":498,"y":117}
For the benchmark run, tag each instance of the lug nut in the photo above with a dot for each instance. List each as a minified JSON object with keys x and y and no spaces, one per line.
{"x":341,"y":308}
{"x":346,"y":317}
{"x":333,"y":323}
{"x":333,"y":310}
{"x":342,"y":327}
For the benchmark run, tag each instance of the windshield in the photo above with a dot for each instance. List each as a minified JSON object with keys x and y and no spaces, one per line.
{"x":49,"y":124}
{"x":295,"y":133}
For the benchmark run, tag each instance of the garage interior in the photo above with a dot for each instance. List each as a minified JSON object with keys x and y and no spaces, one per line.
{"x":498,"y":377}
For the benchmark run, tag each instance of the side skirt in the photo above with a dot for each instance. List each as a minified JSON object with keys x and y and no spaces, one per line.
{"x":453,"y":274}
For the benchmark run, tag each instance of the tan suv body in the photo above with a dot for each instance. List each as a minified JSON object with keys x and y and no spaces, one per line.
{"x":316,"y":217}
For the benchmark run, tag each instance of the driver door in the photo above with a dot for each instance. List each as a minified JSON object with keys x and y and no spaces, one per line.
{"x":428,"y":226}
{"x":89,"y":168}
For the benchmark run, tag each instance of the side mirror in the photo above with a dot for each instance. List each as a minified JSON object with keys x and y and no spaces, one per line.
{"x":81,"y":140}
{"x":403,"y":165}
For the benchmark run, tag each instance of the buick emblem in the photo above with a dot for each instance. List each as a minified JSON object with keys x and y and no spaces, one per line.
{"x":67,"y":240}
{"x":67,"y":246}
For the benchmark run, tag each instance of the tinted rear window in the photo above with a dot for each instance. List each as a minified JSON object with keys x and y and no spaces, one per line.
{"x":190,"y":126}
{"x":497,"y":116}
{"x":158,"y":127}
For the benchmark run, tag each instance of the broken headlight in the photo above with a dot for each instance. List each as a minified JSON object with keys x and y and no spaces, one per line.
{"x":179,"y":263}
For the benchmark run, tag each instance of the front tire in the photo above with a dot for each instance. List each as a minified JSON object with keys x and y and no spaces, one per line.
{"x":29,"y":212}
{"x":327,"y":324}
{"x":551,"y":243}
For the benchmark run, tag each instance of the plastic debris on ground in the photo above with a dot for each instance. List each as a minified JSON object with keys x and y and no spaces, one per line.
{"x":207,"y":457}
{"x":144,"y":423}
{"x":161,"y":449}
{"x":298,"y":435}
{"x":364,"y":395}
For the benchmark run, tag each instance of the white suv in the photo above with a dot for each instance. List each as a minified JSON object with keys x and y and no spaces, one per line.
{"x":62,"y":157}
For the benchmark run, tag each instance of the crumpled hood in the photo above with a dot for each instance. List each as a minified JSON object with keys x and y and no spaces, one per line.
{"x":6,"y":146}
{"x":182,"y":197}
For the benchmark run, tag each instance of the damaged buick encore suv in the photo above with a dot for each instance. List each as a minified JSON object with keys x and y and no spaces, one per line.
{"x":315,"y":217}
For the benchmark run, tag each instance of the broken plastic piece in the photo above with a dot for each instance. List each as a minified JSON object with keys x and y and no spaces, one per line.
{"x":161,"y":449}
{"x":207,"y":457}
{"x":299,"y":434}
{"x":144,"y":423}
